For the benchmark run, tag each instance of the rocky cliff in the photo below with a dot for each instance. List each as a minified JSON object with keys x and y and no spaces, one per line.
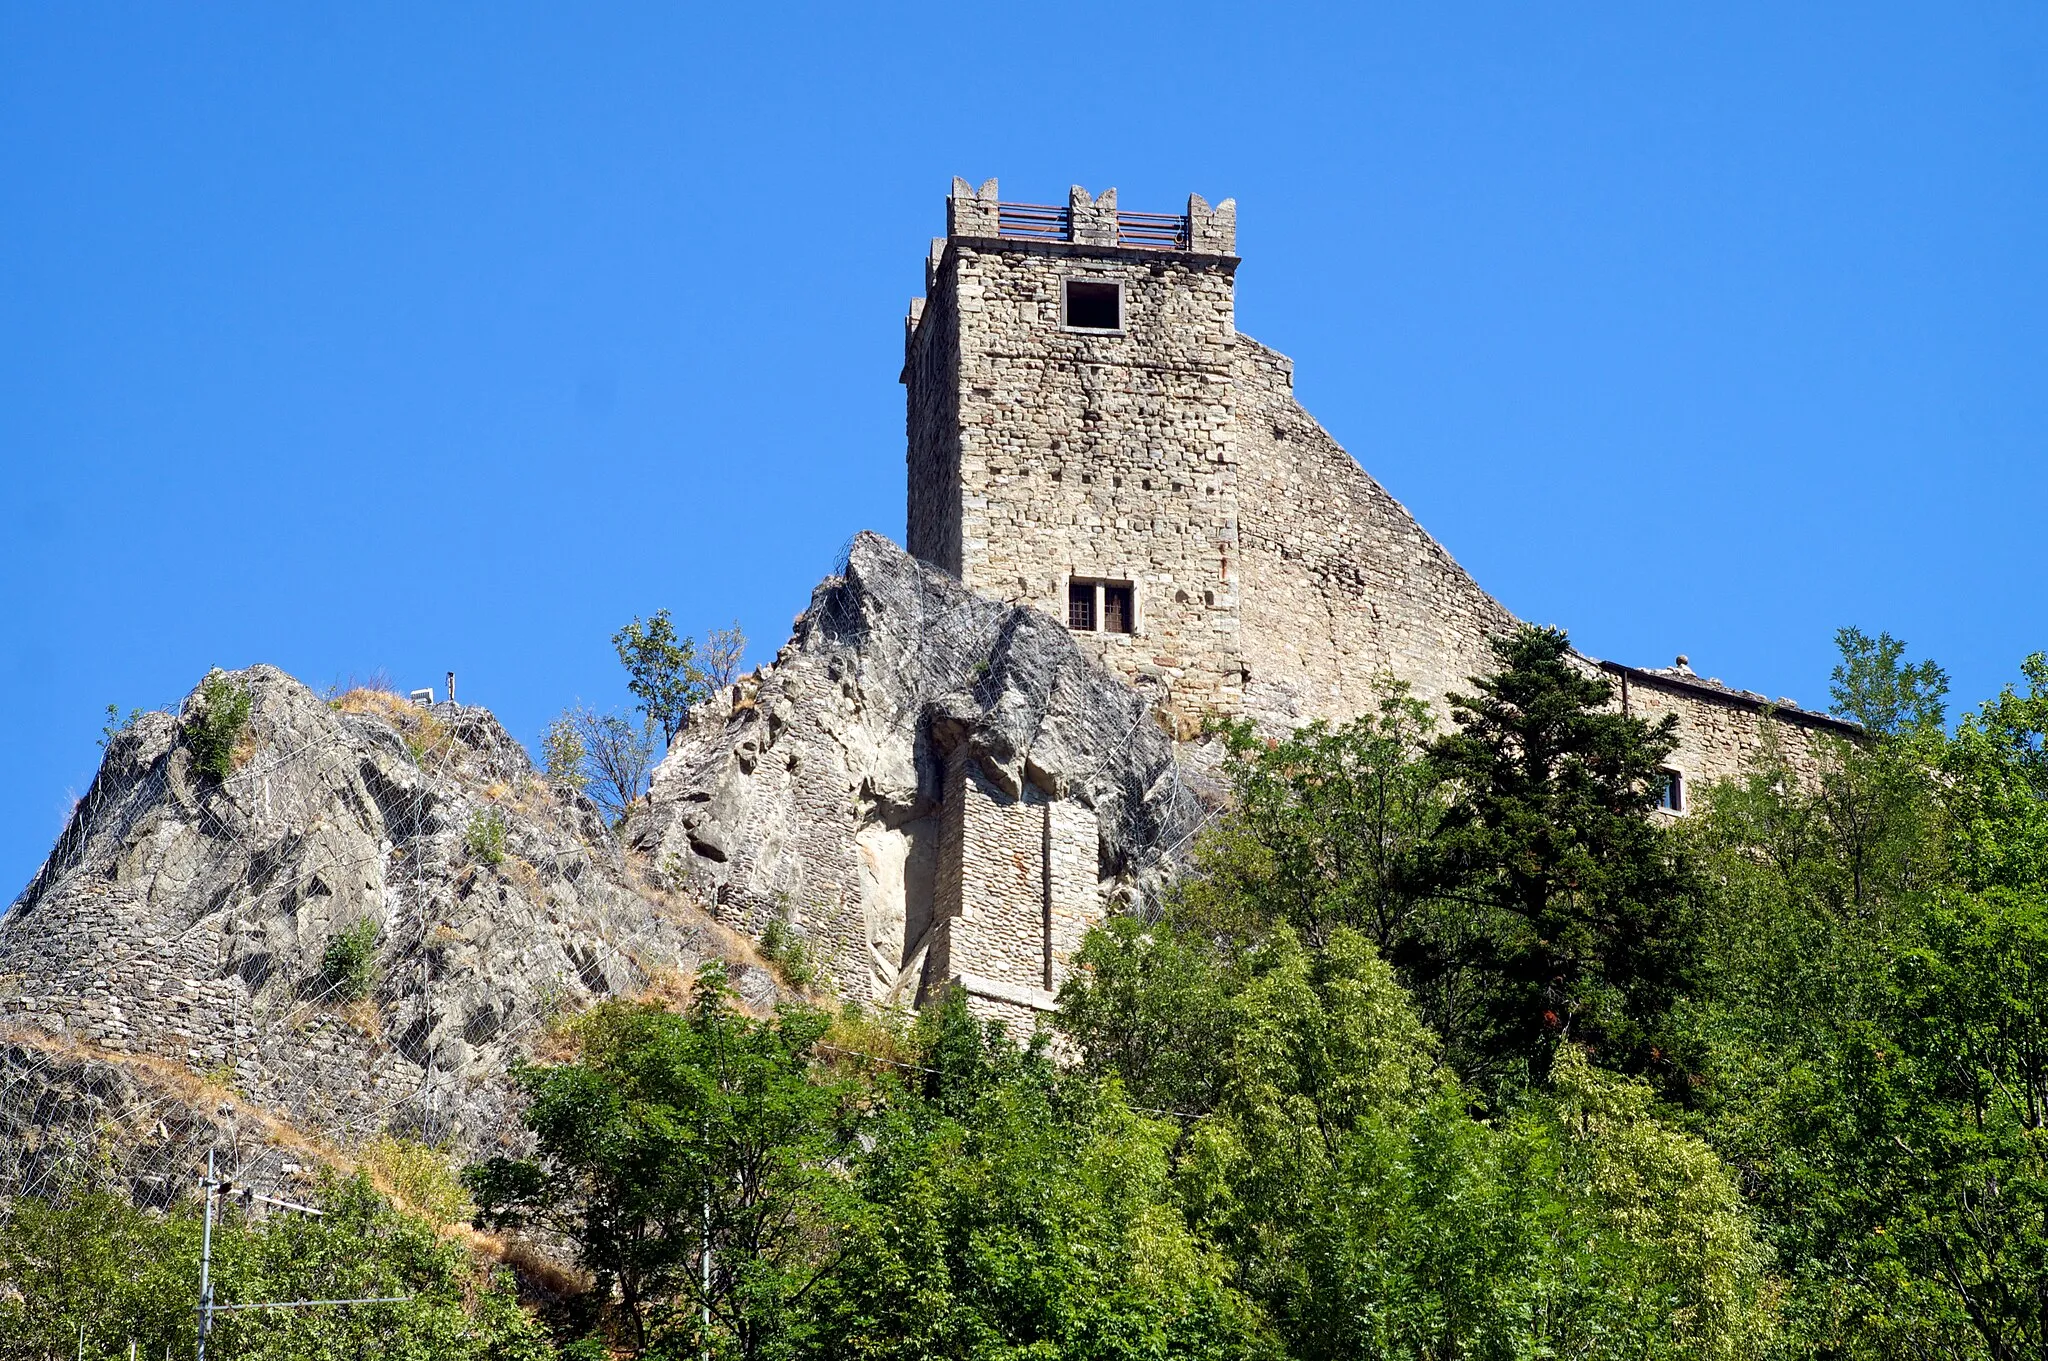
{"x":817,"y":790}
{"x":358,"y":929}
{"x":380,"y":907}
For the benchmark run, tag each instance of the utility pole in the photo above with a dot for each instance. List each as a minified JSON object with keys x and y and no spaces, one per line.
{"x":206,"y":1263}
{"x":704,"y":1265}
{"x":451,"y":687}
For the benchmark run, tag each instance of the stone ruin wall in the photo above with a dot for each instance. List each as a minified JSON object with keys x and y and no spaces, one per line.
{"x":1017,"y":888}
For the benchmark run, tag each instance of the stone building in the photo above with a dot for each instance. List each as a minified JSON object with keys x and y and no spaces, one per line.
{"x":1090,"y":434}
{"x":940,"y":784}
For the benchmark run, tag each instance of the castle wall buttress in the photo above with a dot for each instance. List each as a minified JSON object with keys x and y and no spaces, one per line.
{"x":1016,"y":890}
{"x":1341,"y":585}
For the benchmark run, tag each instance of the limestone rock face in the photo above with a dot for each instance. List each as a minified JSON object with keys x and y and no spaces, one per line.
{"x":839,"y":788}
{"x":167,"y":981}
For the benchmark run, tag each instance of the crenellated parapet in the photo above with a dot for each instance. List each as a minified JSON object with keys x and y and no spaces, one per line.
{"x":1088,"y":220}
{"x":1212,"y":231}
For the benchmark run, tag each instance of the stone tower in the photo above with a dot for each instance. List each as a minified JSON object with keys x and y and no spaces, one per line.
{"x":1070,"y":413}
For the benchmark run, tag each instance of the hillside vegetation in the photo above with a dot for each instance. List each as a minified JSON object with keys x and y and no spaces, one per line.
{"x":1447,"y":1046}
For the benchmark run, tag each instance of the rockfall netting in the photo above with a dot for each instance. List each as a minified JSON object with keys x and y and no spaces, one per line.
{"x":277,"y":938}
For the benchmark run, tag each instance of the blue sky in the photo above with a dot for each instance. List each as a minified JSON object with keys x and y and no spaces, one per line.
{"x":414,"y":338}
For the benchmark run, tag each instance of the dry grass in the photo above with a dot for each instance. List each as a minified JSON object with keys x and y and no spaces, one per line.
{"x":666,"y":988}
{"x":868,"y":1042}
{"x":425,"y":736}
{"x":169,"y":1078}
{"x":521,"y":871}
{"x":244,"y":750}
{"x":558,"y":1042}
{"x":364,"y":1016}
{"x":372,"y":702}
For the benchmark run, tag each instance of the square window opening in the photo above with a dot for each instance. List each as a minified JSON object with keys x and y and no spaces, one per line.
{"x":1093,"y":305}
{"x":1081,"y":606}
{"x":1116,"y":609}
{"x":1097,"y":606}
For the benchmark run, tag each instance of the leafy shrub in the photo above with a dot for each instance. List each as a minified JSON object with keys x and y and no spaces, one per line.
{"x":88,"y":1274}
{"x":787,"y":951}
{"x":349,"y":961}
{"x":117,"y":725}
{"x":563,"y":751}
{"x":216,"y":726}
{"x":486,"y":838}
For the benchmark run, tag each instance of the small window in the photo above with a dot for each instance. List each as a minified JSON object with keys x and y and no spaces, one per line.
{"x":1081,"y":606}
{"x":1671,"y":794}
{"x":1116,"y":609}
{"x":1094,"y":305}
{"x":1108,"y":606}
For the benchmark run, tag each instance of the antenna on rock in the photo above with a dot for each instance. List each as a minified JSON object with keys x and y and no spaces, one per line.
{"x":451,"y":687}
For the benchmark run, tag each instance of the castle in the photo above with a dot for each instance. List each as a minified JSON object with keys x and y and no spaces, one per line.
{"x":1120,"y":522}
{"x":1092,"y":442}
{"x":1091,"y":435}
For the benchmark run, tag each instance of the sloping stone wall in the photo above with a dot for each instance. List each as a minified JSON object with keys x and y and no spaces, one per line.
{"x":1341,"y":586}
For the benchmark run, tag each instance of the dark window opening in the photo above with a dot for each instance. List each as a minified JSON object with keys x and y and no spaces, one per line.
{"x":1081,"y":606}
{"x":1108,"y":606}
{"x":1094,"y":306}
{"x":1116,"y":609}
{"x":1671,"y":794}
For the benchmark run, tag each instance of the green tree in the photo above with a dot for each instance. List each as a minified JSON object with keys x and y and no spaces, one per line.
{"x":690,"y":1159}
{"x":1359,"y":1201}
{"x":1011,"y":1211}
{"x":1994,"y":788}
{"x":724,"y":649}
{"x":1342,"y":818}
{"x":128,"y":1276}
{"x":563,"y":752}
{"x":662,"y":671}
{"x":1876,"y":688}
{"x":1872,"y":1031}
{"x":1587,"y":919}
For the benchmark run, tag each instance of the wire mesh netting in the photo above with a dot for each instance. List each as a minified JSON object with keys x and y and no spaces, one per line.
{"x":350,"y":931}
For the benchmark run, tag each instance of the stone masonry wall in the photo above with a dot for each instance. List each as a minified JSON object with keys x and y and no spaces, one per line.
{"x":1086,"y":454}
{"x":1724,"y":733}
{"x":1341,"y":585}
{"x":931,"y":376}
{"x":1018,"y":890}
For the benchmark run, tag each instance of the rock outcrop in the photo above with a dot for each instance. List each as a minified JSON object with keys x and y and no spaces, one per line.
{"x":844,"y":788}
{"x":381,"y":907}
{"x":171,"y":979}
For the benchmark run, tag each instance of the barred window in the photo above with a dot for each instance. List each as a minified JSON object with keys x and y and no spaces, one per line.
{"x":1101,"y":606}
{"x":1081,"y":606}
{"x":1116,"y":609}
